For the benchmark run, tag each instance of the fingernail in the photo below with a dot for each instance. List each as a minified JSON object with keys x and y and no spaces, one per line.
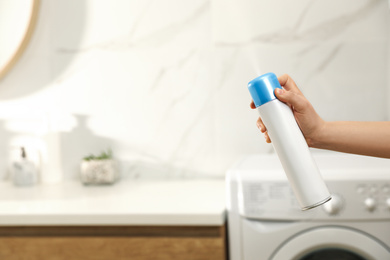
{"x":262,"y":128}
{"x":279,"y":91}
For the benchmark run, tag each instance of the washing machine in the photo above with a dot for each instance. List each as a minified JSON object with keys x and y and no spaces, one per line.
{"x":265,"y":221}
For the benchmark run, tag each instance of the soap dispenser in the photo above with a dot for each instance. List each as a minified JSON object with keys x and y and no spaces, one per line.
{"x":24,"y":171}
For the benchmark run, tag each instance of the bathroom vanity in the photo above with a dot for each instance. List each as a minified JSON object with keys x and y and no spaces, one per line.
{"x":182,"y":219}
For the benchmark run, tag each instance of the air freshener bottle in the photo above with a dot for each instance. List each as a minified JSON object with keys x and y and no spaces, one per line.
{"x":288,"y":141}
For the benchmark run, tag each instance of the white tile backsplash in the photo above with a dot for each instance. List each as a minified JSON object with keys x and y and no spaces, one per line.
{"x":163,"y":83}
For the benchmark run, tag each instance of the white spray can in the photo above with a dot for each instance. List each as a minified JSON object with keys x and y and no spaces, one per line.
{"x":288,"y":141}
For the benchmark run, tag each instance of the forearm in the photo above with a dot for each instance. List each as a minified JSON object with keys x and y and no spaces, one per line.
{"x":365,"y":138}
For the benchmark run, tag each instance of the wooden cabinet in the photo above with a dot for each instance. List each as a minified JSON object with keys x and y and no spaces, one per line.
{"x":113,"y":242}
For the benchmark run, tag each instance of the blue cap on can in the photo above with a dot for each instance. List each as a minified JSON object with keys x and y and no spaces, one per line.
{"x":262,"y":88}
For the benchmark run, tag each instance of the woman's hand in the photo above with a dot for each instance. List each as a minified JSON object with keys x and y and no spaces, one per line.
{"x":310,"y":123}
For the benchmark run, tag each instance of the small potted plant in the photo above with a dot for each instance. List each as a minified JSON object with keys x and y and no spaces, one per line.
{"x":101,"y":169}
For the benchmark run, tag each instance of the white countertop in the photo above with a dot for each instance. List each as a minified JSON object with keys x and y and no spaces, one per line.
{"x":128,"y":202}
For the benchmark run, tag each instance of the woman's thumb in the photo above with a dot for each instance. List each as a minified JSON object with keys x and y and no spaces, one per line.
{"x":291,"y":98}
{"x":282,"y":95}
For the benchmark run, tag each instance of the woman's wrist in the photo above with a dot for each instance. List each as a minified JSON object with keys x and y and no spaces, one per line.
{"x":317,"y":139}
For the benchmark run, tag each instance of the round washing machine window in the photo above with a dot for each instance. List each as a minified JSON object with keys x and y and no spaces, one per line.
{"x":332,"y":253}
{"x":332,"y":243}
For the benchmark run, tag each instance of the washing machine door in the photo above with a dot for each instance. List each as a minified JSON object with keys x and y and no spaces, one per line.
{"x":332,"y":243}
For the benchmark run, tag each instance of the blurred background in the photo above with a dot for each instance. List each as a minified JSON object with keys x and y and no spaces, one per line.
{"x":163,"y":83}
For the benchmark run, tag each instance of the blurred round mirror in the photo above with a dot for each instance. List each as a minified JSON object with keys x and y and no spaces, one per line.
{"x":17,"y":21}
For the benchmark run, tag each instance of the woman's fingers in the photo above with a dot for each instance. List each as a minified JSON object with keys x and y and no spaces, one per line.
{"x":263,"y":129}
{"x":261,"y":125}
{"x":252,"y":105}
{"x":267,"y":139}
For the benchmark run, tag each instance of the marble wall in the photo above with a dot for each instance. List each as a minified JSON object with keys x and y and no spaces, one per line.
{"x":163,"y":83}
